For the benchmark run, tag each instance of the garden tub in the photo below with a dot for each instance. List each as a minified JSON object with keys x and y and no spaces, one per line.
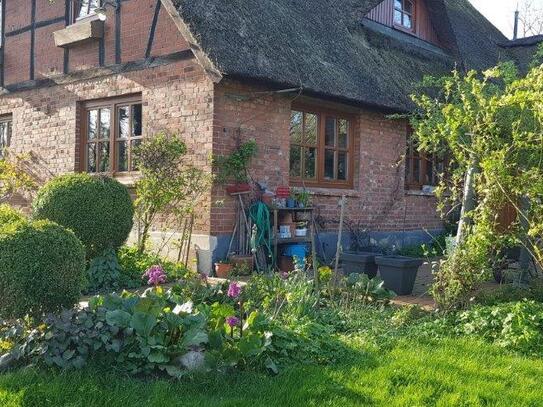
{"x":399,"y":272}
{"x":359,"y":262}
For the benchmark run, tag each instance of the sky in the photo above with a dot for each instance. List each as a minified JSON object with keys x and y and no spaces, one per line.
{"x":501,"y":12}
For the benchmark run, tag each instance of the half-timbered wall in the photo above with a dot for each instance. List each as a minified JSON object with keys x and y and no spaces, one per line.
{"x":133,"y":30}
{"x":384,"y":14}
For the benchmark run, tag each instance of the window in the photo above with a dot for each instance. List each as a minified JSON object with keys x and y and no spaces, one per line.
{"x":5,"y":134}
{"x":404,"y":12}
{"x":420,"y":169}
{"x":110,"y":132}
{"x":83,"y":8}
{"x":320,"y":149}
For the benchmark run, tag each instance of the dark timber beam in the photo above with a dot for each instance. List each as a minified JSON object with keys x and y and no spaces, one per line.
{"x":153,"y":30}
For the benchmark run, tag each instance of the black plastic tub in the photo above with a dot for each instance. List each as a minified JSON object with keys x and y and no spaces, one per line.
{"x":359,"y":262}
{"x":399,"y":272}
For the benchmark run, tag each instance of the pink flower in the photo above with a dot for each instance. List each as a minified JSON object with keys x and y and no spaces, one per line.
{"x":284,"y":275}
{"x":155,"y":275}
{"x":234,"y":290}
{"x":232,"y":321}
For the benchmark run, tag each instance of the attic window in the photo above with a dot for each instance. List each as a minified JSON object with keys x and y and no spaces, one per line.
{"x":404,"y":12}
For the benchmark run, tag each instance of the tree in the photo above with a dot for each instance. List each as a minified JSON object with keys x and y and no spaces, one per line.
{"x":530,"y":18}
{"x":13,"y":176}
{"x":168,"y":185}
{"x":491,"y":126}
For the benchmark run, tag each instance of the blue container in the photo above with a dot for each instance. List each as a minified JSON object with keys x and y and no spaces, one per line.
{"x":298,"y":252}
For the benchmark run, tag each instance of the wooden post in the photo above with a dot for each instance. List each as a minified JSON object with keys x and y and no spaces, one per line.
{"x":340,"y":232}
{"x":316,"y":276}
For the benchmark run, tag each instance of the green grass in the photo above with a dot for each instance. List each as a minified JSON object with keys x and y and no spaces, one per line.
{"x":451,"y":372}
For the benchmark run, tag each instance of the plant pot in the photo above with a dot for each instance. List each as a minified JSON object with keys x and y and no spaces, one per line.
{"x":222,"y":270}
{"x":291,"y":203}
{"x":301,"y":232}
{"x":246,"y":261}
{"x":399,"y":272}
{"x":285,"y":264}
{"x":359,"y":262}
{"x":237,"y":188}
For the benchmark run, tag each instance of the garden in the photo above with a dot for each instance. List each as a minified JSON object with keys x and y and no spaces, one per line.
{"x":153,"y":331}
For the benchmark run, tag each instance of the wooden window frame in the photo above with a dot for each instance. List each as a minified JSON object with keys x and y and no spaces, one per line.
{"x":413,"y":16}
{"x":113,"y":104}
{"x":74,"y":11}
{"x":412,"y":155}
{"x":8,"y":118}
{"x":320,"y":181}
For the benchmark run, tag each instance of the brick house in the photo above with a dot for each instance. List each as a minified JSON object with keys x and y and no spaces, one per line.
{"x":84,"y":81}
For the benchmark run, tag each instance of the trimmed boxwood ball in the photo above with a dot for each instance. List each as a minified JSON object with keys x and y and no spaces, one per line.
{"x":42,"y":268}
{"x":97,"y":209}
{"x":9,"y":215}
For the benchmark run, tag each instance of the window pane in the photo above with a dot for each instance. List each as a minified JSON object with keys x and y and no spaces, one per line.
{"x":295,"y":161}
{"x":105,"y":123}
{"x":342,"y":166}
{"x":104,"y":157}
{"x":408,"y":174}
{"x":343,"y":133}
{"x":408,"y":6}
{"x":296,"y":123}
{"x":86,"y":7}
{"x":5,"y":136}
{"x":407,"y":21}
{"x":398,"y":4}
{"x":330,"y":132}
{"x":124,"y":122}
{"x":397,"y":17}
{"x":136,"y":120}
{"x":416,"y":169}
{"x":133,"y":145}
{"x":310,"y":161}
{"x":91,"y":157}
{"x":311,"y":123}
{"x":329,"y":164}
{"x":122,"y":156}
{"x":92,"y":121}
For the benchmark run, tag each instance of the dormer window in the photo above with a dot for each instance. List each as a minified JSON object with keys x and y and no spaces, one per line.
{"x":404,"y":11}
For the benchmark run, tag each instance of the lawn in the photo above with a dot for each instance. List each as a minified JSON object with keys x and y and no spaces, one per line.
{"x":457,"y":372}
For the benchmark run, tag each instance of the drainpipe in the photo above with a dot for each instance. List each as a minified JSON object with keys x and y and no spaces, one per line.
{"x":515,"y":29}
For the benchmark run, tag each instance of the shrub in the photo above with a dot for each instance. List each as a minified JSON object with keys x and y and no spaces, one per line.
{"x":9,"y":215}
{"x":98,"y":210}
{"x":134,"y":264}
{"x":42,"y":268}
{"x":104,"y":273}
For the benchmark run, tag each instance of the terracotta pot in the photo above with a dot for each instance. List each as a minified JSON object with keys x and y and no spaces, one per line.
{"x":222,"y":270}
{"x":238,"y":188}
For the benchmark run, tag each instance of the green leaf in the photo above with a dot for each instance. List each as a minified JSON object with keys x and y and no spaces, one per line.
{"x":271,"y":365}
{"x":158,"y":357}
{"x":143,"y":323}
{"x":118,"y":318}
{"x":194,"y":337}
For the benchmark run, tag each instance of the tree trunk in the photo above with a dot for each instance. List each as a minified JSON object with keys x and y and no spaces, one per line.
{"x":469,"y":201}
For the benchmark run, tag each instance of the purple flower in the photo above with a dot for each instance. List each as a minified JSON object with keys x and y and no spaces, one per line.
{"x":155,"y":275}
{"x":284,"y":275}
{"x":234,"y":290}
{"x":232,"y":321}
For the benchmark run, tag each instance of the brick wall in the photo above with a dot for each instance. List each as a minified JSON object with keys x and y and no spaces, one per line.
{"x":177,"y":98}
{"x":136,"y":21}
{"x":377,"y":200}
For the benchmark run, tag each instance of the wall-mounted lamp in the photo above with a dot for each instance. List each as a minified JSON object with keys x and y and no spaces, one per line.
{"x":101,"y":11}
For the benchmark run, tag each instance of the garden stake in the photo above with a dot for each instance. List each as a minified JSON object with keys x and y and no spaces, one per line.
{"x":338,"y":248}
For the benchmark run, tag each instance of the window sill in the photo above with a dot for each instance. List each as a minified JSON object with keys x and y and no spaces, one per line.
{"x":332,"y":192}
{"x":82,"y":31}
{"x":418,"y":192}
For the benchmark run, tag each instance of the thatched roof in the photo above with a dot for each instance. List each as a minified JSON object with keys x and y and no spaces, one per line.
{"x":328,"y":48}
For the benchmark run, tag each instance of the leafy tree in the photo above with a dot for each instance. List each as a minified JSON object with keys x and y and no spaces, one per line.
{"x":490,"y":125}
{"x":13,"y":176}
{"x":169,"y":184}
